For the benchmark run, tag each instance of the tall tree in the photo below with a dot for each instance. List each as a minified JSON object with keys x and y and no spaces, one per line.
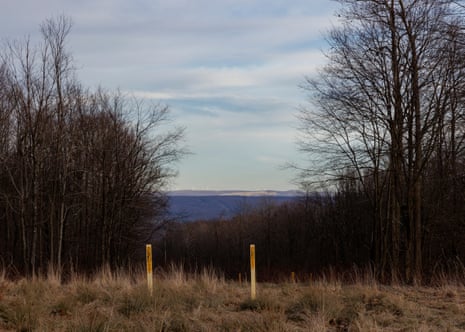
{"x":82,"y":174}
{"x":380,"y":102}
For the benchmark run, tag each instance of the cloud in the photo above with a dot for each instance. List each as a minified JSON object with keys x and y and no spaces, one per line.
{"x":228,"y":69}
{"x":183,"y":36}
{"x":278,"y":78}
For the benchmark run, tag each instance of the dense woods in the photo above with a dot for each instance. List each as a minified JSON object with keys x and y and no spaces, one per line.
{"x":319,"y":234}
{"x":389,"y":108}
{"x":307,"y":236}
{"x":81,"y":172}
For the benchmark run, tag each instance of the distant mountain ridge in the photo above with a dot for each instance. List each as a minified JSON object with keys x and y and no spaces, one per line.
{"x":247,"y":193}
{"x":190,"y":205}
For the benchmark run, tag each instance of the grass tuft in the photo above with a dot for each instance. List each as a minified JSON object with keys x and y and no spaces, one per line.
{"x":135,"y":302}
{"x":252,"y":305}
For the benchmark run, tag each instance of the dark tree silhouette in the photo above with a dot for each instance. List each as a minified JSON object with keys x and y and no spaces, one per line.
{"x":81,"y":173}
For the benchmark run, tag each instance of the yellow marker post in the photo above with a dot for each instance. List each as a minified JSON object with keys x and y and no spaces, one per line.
{"x":293,"y":277}
{"x":253,"y":282}
{"x":148,"y":252}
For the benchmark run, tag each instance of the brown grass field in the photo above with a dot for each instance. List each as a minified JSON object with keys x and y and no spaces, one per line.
{"x":206,"y":302}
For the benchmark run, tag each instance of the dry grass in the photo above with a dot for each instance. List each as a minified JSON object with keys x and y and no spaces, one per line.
{"x":206,"y":302}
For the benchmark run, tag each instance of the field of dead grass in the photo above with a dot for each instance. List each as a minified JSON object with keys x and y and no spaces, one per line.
{"x":206,"y":302}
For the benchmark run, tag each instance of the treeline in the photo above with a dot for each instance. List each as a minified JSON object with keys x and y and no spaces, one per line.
{"x":81,"y":172}
{"x":306,"y":236}
{"x":320,"y":233}
{"x":388,"y":113}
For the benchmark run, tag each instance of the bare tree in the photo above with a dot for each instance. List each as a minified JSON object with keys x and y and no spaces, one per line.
{"x":58,"y":62}
{"x":379,"y":104}
{"x":82,"y":173}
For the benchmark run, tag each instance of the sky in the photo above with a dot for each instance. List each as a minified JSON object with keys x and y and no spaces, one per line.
{"x":229,"y":70}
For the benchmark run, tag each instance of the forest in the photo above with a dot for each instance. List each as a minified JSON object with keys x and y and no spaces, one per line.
{"x":83,"y":173}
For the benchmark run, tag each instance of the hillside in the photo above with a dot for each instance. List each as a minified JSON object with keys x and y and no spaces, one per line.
{"x":208,"y":205}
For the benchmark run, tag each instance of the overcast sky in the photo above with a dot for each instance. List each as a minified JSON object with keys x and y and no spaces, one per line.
{"x":228,"y":69}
